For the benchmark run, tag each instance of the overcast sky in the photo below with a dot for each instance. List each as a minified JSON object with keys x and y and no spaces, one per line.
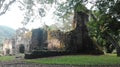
{"x":14,"y":17}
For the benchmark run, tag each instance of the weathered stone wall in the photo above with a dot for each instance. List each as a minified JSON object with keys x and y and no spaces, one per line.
{"x":79,"y":39}
{"x":38,"y":39}
{"x":23,"y":37}
{"x":76,"y":41}
{"x":9,"y":47}
{"x":12,"y":46}
{"x":55,"y":40}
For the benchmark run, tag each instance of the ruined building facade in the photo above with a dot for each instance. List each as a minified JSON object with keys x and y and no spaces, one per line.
{"x":19,"y":41}
{"x":38,"y":39}
{"x":76,"y":40}
{"x":9,"y":47}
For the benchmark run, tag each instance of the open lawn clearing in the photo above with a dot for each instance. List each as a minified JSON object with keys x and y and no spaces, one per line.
{"x":6,"y":58}
{"x":78,"y":60}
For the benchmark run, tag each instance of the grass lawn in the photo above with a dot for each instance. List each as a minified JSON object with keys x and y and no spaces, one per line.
{"x":78,"y":60}
{"x":6,"y":58}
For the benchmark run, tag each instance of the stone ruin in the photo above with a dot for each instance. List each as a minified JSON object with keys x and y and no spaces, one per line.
{"x":26,"y":41}
{"x":55,"y":40}
{"x":79,"y":40}
{"x":8,"y":47}
{"x":22,"y":40}
{"x":38,"y":39}
{"x":76,"y":40}
{"x":19,"y":41}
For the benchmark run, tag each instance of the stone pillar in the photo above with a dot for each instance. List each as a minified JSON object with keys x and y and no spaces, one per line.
{"x":39,"y":36}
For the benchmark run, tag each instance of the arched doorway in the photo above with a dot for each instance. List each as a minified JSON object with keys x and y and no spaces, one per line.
{"x":21,"y":48}
{"x":7,"y":51}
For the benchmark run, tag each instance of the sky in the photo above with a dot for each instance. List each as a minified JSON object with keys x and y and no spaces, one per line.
{"x":14,"y":16}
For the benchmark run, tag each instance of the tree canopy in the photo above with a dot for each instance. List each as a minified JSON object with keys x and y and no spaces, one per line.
{"x":4,"y":5}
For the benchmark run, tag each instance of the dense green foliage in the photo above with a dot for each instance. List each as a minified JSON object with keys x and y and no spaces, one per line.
{"x":6,"y":32}
{"x":105,"y":26}
{"x":79,"y":60}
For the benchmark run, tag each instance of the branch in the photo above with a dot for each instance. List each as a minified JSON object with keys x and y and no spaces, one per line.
{"x":93,"y":16}
{"x":1,"y":3}
{"x":6,"y":7}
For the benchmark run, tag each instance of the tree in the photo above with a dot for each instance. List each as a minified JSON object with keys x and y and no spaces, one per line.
{"x":105,"y":30}
{"x":35,"y":9}
{"x":109,"y":29}
{"x":4,"y":5}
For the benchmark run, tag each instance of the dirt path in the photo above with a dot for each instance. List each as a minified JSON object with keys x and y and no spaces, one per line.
{"x":24,"y":64}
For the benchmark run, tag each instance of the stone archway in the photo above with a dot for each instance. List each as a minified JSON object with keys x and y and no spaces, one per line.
{"x":21,"y":48}
{"x":7,"y":51}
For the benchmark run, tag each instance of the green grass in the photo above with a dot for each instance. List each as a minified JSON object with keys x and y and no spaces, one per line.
{"x":79,"y":60}
{"x":6,"y":58}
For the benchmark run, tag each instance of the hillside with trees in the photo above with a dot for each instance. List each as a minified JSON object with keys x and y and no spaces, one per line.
{"x":6,"y":32}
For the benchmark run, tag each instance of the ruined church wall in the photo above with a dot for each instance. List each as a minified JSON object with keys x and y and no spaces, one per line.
{"x":38,"y":39}
{"x":8,"y":47}
{"x":55,"y":40}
